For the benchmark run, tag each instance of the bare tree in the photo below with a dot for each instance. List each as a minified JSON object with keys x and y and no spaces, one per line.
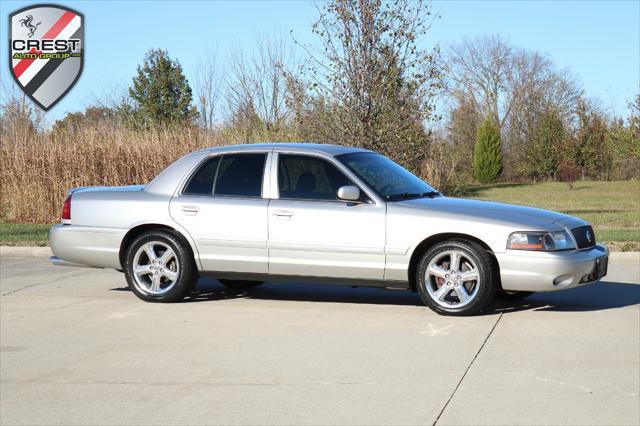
{"x":208,"y":88}
{"x":482,"y":71}
{"x":109,"y":95}
{"x":18,"y":114}
{"x":503,"y":81}
{"x":257,"y":82}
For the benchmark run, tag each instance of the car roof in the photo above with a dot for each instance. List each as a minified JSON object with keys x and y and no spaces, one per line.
{"x":317,"y":147}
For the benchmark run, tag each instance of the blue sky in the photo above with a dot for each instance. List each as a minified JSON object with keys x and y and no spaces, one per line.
{"x":599,"y":41}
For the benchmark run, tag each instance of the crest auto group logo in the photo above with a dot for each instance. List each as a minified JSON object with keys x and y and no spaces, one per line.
{"x":46,"y":48}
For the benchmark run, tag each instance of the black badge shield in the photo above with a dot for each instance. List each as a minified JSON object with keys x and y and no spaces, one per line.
{"x":46,"y":49}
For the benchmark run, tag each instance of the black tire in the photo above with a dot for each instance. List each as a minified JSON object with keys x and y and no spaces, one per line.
{"x":187,"y":272}
{"x":240,"y":284}
{"x":486,"y":283}
{"x":512,"y":295}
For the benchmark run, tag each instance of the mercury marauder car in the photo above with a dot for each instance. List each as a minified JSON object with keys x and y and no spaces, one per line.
{"x":309,"y":212}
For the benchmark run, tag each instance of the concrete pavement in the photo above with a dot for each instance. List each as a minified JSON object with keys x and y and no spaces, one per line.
{"x":77,"y":347}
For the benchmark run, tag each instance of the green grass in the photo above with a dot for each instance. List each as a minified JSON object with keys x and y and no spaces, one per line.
{"x":613,"y":208}
{"x":23,"y":234}
{"x":622,"y":235}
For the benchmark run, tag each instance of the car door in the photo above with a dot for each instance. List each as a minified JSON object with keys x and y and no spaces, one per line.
{"x":222,"y":208}
{"x":312,"y":233}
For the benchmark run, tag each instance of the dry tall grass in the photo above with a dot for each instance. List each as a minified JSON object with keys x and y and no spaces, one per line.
{"x":38,"y":169}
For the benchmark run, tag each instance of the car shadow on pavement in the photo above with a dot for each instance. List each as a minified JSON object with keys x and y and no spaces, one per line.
{"x":595,"y":297}
{"x":210,"y":289}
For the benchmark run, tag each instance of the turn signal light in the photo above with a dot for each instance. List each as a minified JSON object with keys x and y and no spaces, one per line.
{"x":516,"y":246}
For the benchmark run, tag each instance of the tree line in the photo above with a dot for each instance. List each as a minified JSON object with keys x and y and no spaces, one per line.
{"x":481,"y":110}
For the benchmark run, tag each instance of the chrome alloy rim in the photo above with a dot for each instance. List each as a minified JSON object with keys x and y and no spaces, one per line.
{"x":452,"y":279}
{"x":155,"y":268}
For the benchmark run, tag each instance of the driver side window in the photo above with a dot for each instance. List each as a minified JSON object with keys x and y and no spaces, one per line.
{"x":309,"y":178}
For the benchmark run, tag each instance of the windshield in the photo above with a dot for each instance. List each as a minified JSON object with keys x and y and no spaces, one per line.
{"x":388,"y":179}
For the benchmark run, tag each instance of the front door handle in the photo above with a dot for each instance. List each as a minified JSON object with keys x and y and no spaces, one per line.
{"x":190,"y":210}
{"x":283,"y":214}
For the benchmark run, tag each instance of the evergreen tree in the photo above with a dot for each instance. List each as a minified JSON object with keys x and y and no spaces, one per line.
{"x":487,"y":155}
{"x":160,"y":93}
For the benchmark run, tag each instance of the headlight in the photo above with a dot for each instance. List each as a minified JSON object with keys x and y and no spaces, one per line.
{"x":541,"y":241}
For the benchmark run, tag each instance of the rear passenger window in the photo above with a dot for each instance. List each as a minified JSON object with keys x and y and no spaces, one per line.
{"x":201,"y":182}
{"x":240,"y":175}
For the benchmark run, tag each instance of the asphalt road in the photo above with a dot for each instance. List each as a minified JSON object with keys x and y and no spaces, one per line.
{"x":78,"y":348}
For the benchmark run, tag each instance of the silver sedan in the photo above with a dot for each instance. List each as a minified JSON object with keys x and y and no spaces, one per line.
{"x":305,"y":212}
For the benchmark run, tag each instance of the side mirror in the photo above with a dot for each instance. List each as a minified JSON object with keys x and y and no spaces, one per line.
{"x":349,"y":193}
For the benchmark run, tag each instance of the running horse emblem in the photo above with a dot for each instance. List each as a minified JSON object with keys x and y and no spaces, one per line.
{"x":27,"y":22}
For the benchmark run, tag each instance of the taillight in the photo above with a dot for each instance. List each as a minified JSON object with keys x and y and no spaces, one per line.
{"x":66,"y":210}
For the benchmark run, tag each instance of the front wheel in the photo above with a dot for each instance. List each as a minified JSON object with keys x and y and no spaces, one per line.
{"x":456,"y":277}
{"x":160,"y":267}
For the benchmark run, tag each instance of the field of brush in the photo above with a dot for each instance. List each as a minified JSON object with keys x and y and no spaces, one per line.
{"x":38,"y":169}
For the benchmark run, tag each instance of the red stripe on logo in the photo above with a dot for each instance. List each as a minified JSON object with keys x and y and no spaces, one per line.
{"x":59,"y":26}
{"x":23,"y":64}
{"x":52,"y":33}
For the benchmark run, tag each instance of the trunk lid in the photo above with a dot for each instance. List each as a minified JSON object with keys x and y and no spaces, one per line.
{"x":107,"y":188}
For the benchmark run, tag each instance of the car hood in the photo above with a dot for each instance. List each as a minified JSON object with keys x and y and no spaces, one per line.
{"x":487,"y":211}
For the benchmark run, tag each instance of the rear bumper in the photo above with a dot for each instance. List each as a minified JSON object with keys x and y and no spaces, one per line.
{"x":86,"y":246}
{"x":550,"y":271}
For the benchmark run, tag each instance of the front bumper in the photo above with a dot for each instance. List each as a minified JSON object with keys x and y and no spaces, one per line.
{"x":550,"y":271}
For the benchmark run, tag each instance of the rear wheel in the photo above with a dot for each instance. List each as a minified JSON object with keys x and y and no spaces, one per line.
{"x":240,"y":284}
{"x":456,"y":277}
{"x":160,"y":267}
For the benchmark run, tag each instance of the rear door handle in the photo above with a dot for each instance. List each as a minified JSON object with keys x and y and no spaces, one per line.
{"x":190,"y":210}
